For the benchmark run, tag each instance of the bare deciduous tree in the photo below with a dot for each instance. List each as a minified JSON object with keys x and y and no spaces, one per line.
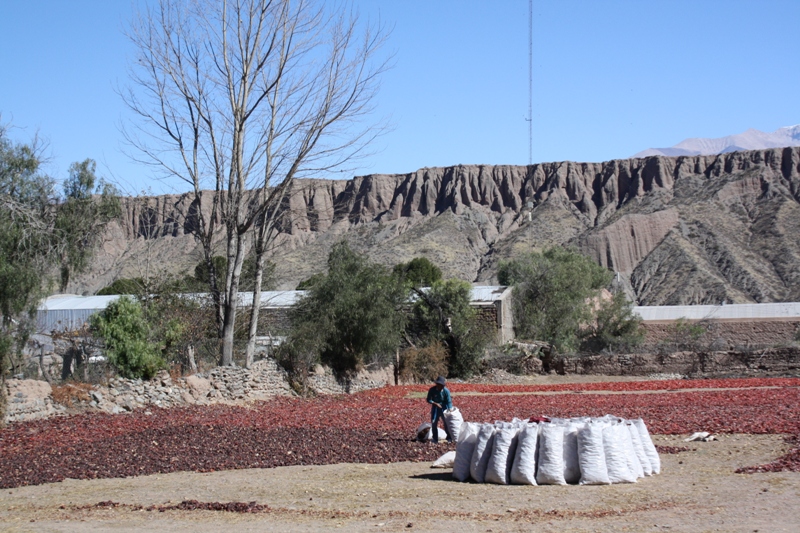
{"x":240,"y":97}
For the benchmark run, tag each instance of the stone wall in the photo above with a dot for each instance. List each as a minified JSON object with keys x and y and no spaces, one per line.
{"x":487,"y":314}
{"x":323,"y":381}
{"x":29,"y":399}
{"x":274,"y":321}
{"x":727,"y":335}
{"x":221,"y":385}
{"x":32,"y":399}
{"x":771,"y":361}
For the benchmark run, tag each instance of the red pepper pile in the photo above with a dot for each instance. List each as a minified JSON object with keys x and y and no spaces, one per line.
{"x":372,"y":427}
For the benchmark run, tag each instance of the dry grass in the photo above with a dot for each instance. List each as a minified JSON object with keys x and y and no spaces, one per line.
{"x":423,"y":365}
{"x":70,"y":393}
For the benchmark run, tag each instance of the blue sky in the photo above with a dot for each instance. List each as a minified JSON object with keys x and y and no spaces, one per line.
{"x":611,"y":78}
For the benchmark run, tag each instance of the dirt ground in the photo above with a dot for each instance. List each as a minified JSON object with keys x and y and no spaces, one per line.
{"x":696,"y":491}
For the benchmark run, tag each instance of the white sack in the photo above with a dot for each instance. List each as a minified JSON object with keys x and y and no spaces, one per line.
{"x":634,"y":465}
{"x":482,"y":453}
{"x":453,"y":421}
{"x":592,"y":455}
{"x":616,"y":454}
{"x":572,"y":468}
{"x":424,"y":432}
{"x":502,"y":459}
{"x":551,"y":455}
{"x":445,"y":461}
{"x":638,"y":447}
{"x":649,"y":447}
{"x":467,"y":437}
{"x":523,"y":469}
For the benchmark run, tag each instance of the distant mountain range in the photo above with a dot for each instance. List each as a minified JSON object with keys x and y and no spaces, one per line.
{"x":677,"y":230}
{"x":750,"y":140}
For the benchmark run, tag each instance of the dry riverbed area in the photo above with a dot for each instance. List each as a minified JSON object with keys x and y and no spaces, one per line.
{"x":696,"y":491}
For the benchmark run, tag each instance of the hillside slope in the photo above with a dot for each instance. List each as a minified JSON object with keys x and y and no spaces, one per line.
{"x":683,"y":230}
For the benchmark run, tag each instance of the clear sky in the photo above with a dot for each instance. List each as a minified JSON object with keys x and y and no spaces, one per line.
{"x":611,"y":78}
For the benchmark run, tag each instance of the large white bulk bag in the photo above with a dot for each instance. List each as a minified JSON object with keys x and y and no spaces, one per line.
{"x":453,"y":421}
{"x":467,"y":437}
{"x":502,"y":459}
{"x":482,"y":453}
{"x":636,"y":438}
{"x":572,"y":468}
{"x":592,"y":455}
{"x":634,"y":465}
{"x":614,"y":438}
{"x":550,"y":469}
{"x":523,"y":469}
{"x":424,"y":432}
{"x":649,"y":447}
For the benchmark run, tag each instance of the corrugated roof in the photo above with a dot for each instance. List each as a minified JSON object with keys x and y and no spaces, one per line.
{"x":488,"y":293}
{"x":271,"y":299}
{"x":74,"y":302}
{"x":773,"y":311}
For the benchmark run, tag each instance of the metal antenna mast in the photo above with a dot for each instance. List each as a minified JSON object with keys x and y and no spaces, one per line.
{"x":530,"y":82}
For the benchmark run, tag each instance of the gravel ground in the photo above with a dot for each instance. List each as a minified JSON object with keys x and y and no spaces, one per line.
{"x":697,"y":491}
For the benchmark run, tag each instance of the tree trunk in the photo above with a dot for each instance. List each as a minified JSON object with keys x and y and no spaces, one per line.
{"x":192,"y":362}
{"x":235,"y":252}
{"x":254,"y":311}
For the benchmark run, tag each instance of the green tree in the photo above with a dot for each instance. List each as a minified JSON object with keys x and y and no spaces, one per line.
{"x":125,"y":331}
{"x":129,"y":286}
{"x":553,"y":292}
{"x":87,"y":207}
{"x":351,"y":317}
{"x":443,"y":315}
{"x":34,"y":240}
{"x":310,"y":282}
{"x":247,"y":281}
{"x":419,"y":272}
{"x":615,"y":326}
{"x":202,"y":272}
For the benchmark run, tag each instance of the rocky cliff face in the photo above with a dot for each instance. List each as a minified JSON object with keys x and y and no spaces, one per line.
{"x":678,"y":230}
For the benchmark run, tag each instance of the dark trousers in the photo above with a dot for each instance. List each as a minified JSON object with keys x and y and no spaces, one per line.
{"x":436,"y":414}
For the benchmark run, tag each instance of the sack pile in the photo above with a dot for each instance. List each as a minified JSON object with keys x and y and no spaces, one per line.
{"x":586,"y":451}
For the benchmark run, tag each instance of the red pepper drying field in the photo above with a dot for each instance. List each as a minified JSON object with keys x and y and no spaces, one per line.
{"x":371,"y":427}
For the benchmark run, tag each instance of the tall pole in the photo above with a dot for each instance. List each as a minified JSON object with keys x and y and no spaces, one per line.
{"x":530,"y":82}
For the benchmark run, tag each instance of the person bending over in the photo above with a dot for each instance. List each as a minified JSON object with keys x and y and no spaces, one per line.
{"x":440,"y":399}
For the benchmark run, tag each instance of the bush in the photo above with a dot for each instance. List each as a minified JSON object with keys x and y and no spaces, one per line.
{"x":129,"y":286}
{"x":423,"y":365}
{"x":419,"y":272}
{"x":298,"y":355}
{"x":557,"y":299}
{"x":310,"y":282}
{"x":352,"y":316}
{"x":68,"y":394}
{"x":443,"y":314}
{"x":123,"y":328}
{"x":615,"y":327}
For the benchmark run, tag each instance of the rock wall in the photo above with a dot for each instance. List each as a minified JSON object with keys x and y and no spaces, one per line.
{"x":29,"y":399}
{"x":221,"y":385}
{"x":32,"y":399}
{"x":323,"y":381}
{"x":728,"y":334}
{"x":774,"y":361}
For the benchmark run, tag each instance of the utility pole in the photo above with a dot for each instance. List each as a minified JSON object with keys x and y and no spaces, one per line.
{"x":530,"y":82}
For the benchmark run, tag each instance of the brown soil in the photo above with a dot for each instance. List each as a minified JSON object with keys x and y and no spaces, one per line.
{"x":697,"y":491}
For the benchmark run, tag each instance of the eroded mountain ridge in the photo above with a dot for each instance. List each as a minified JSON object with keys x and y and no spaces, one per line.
{"x":678,"y":230}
